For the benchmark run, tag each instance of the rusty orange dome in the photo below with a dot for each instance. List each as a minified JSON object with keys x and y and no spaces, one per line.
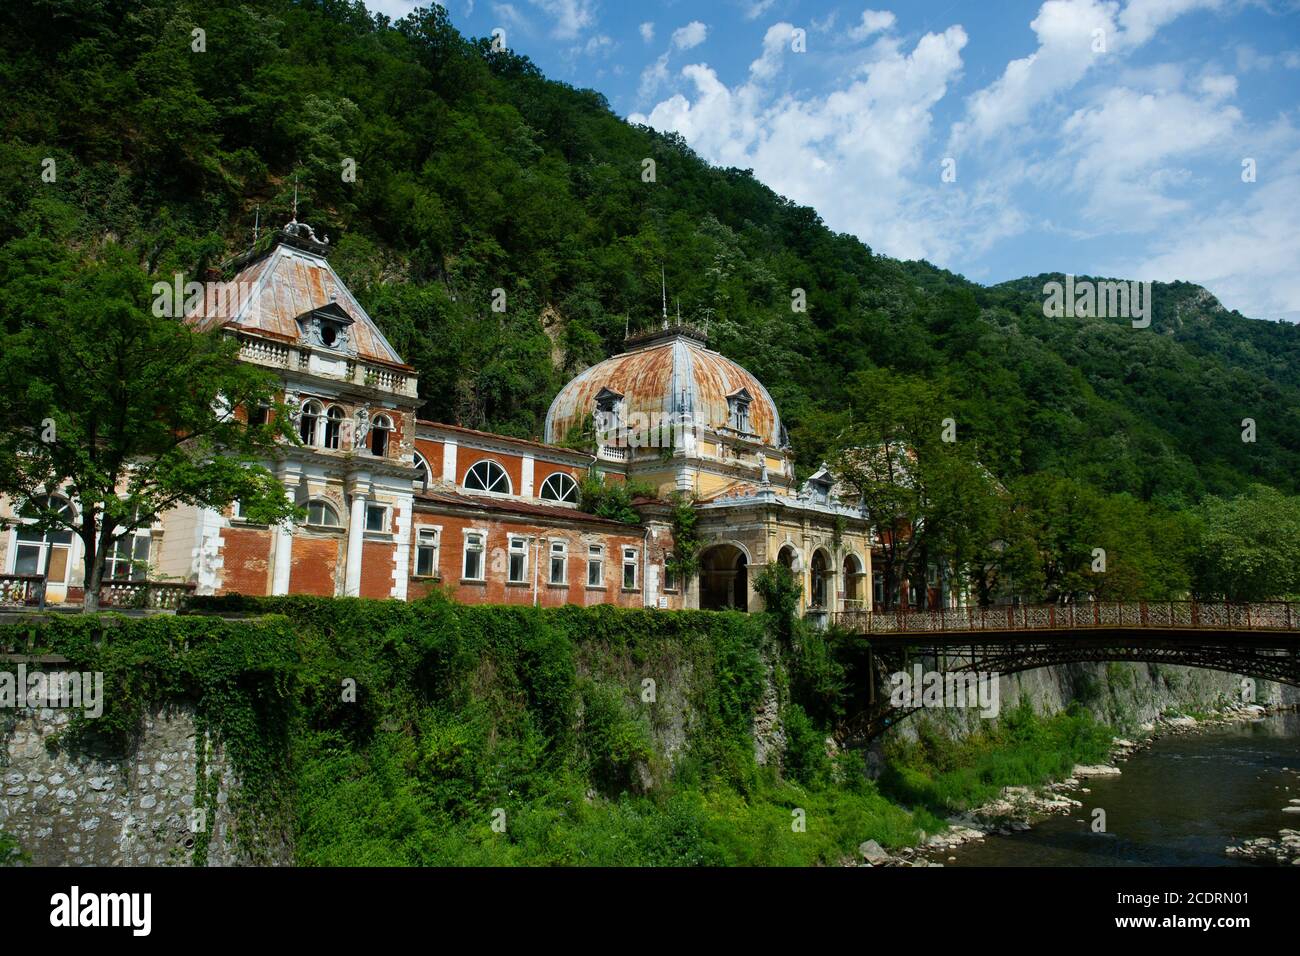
{"x":670,"y":372}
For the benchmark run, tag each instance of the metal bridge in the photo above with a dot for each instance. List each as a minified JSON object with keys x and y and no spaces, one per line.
{"x":1259,"y":640}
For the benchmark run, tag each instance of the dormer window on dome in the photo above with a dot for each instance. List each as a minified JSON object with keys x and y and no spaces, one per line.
{"x":609,"y":411}
{"x":738,"y":409}
{"x":328,"y":326}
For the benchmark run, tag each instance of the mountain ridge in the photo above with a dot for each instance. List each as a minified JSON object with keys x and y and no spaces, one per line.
{"x":474,"y":172}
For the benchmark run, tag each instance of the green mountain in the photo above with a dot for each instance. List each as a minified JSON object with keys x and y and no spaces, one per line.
{"x":473,"y":172}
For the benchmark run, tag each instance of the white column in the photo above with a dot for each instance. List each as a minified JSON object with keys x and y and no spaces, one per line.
{"x":526,"y":476}
{"x":448,"y":460}
{"x":284,"y":542}
{"x":356,"y":534}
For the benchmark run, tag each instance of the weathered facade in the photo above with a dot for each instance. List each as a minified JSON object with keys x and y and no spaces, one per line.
{"x":394,"y":506}
{"x":682,"y":418}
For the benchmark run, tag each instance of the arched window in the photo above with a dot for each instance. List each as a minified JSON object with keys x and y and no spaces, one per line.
{"x":322,"y":514}
{"x":379,"y":435}
{"x":309,"y":422}
{"x":487,"y":475}
{"x":853,"y":575}
{"x":421,"y":472}
{"x":559,"y":487}
{"x":35,"y":549}
{"x":820,"y":580}
{"x":333,"y":426}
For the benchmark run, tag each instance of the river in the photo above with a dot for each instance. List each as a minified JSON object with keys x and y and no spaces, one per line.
{"x":1179,"y":802}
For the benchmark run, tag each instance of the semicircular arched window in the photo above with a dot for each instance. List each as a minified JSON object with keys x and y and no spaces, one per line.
{"x":322,"y":514}
{"x":421,"y":472}
{"x":559,"y":487}
{"x":488,"y":476}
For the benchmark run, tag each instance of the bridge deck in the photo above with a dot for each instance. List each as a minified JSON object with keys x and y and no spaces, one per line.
{"x":1197,"y":616}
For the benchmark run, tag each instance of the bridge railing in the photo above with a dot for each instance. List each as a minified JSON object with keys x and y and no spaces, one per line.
{"x":1190,"y":615}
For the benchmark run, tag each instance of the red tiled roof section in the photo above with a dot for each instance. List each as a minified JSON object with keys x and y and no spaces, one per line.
{"x":491,"y":436}
{"x":274,"y":290}
{"x":553,"y":512}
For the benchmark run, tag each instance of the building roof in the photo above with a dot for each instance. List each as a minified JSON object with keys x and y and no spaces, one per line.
{"x":668,"y":373}
{"x":517,"y":507}
{"x":578,"y":456}
{"x":270,"y":292}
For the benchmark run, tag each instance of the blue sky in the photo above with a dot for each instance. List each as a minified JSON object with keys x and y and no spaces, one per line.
{"x":1082,"y":136}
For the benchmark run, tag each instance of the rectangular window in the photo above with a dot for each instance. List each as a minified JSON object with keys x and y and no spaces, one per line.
{"x":473,"y":557}
{"x":559,"y":562}
{"x":629,"y":569}
{"x":128,"y":558}
{"x":595,"y":566}
{"x":518,"y":560}
{"x":376,"y":518}
{"x":426,"y":553}
{"x":670,"y":573}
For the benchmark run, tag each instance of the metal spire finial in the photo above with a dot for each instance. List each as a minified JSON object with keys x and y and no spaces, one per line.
{"x":663,"y":288}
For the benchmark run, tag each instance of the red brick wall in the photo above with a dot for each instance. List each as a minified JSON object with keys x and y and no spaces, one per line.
{"x":496,"y":589}
{"x":432,"y":452}
{"x":315,"y":561}
{"x":246,"y":567}
{"x":376,"y":569}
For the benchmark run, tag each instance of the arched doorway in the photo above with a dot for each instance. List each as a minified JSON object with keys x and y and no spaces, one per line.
{"x":819,"y":591}
{"x":853,"y":575}
{"x":724,"y":579}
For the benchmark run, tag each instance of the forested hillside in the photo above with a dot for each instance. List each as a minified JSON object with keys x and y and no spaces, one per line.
{"x":475,"y":172}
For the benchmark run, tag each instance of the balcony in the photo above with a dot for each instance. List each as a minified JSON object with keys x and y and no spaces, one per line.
{"x":300,"y":357}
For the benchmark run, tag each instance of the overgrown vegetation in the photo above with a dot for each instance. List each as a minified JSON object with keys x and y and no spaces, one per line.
{"x":430,"y":733}
{"x":939,"y":775}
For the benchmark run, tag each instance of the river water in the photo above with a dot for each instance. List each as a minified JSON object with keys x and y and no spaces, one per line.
{"x":1177,"y":803}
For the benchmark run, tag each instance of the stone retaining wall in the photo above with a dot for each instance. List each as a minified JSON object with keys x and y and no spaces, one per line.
{"x":66,"y":806}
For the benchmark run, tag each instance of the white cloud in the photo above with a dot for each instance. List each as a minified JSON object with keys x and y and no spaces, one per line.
{"x":1065,"y":53}
{"x":647,"y":30}
{"x":571,"y":16}
{"x":1104,"y":155}
{"x":1129,"y":153}
{"x":655,"y":75}
{"x":690,"y":36}
{"x":1218,"y":86}
{"x":775,"y":42}
{"x":756,"y":8}
{"x":873,"y":21}
{"x":598,"y":45}
{"x":1142,"y":18}
{"x":1069,"y":46}
{"x":1248,"y":59}
{"x":509,"y":15}
{"x":652,"y":77}
{"x":852,"y":153}
{"x":1244,"y":250}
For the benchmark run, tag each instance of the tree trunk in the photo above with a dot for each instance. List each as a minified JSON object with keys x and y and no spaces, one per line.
{"x":96,"y":558}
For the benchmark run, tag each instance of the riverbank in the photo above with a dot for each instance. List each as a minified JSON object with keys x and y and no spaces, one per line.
{"x":1019,"y":808}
